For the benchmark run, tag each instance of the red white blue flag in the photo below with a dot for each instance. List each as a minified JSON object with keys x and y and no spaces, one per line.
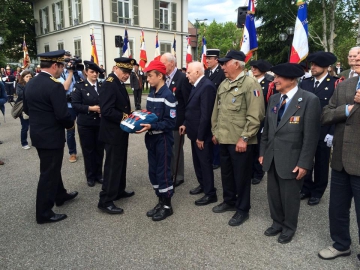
{"x":256,"y":93}
{"x":300,"y":45}
{"x":126,"y":47}
{"x":157,"y":48}
{"x":249,"y":39}
{"x":203,"y":54}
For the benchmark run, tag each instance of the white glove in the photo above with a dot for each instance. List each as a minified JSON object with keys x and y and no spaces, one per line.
{"x":328,"y":139}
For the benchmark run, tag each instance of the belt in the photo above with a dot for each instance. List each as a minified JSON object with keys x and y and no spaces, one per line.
{"x":154,"y":132}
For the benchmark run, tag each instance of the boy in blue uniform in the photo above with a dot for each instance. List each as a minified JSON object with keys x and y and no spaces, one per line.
{"x":159,"y":139}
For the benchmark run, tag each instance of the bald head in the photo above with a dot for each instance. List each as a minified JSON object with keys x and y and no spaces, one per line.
{"x":194,"y":71}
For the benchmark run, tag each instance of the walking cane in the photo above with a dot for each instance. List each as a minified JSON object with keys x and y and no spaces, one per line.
{"x":177,"y":161}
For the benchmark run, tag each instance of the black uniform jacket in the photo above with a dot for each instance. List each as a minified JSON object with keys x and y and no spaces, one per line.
{"x":83,"y":96}
{"x":114,"y":106}
{"x":181,"y":88}
{"x":45,"y":103}
{"x":324,"y":92}
{"x":217,"y":77}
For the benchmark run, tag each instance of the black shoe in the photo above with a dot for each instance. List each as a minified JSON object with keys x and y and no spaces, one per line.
{"x":164,"y":211}
{"x":67,"y":197}
{"x":196,"y":190}
{"x":303,"y":196}
{"x":153,"y":211}
{"x":255,"y":181}
{"x":55,"y":218}
{"x":1,"y":142}
{"x":111,"y":209}
{"x":206,"y":200}
{"x":284,"y":239}
{"x":223,"y":207}
{"x":91,"y":183}
{"x":272,"y":232}
{"x":216,"y":167}
{"x":125,"y":194}
{"x":358,"y":256}
{"x":313,"y":201}
{"x":238,"y":219}
{"x":178,"y":182}
{"x":100,"y":181}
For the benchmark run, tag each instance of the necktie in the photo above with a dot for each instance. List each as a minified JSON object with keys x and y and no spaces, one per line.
{"x":351,"y":74}
{"x":358,"y":86}
{"x":168,"y":81}
{"x":316,"y":85}
{"x":210,"y":73}
{"x":282,"y":108}
{"x":95,"y":88}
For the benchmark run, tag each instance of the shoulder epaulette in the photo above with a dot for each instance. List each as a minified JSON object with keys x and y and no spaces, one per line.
{"x":308,"y":78}
{"x":110,"y":79}
{"x":54,"y":79}
{"x":80,"y":82}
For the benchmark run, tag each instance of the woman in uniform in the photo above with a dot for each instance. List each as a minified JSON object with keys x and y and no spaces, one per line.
{"x":85,"y":101}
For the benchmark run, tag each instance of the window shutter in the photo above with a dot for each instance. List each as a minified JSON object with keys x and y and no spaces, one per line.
{"x":114,"y":8}
{"x":41,"y":22}
{"x":173,"y":16}
{"x":54,"y":16}
{"x":80,"y":11}
{"x":70,"y":13}
{"x":136,"y":11}
{"x":157,"y":14}
{"x":62,"y":14}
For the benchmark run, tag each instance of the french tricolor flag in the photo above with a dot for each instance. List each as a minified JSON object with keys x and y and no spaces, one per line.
{"x":300,"y":46}
{"x":249,"y":39}
{"x":256,"y":93}
{"x":157,"y":48}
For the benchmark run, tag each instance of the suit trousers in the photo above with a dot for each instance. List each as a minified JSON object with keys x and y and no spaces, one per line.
{"x":202,"y":160}
{"x":343,"y":188}
{"x":93,"y":151}
{"x":236,"y":170}
{"x":284,"y":201}
{"x":216,"y":154}
{"x":176,"y":148}
{"x":317,"y":187}
{"x":50,"y":187}
{"x":137,"y":98}
{"x":114,"y":173}
{"x":258,"y":172}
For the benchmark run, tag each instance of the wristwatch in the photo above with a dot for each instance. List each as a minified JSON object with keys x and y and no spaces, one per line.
{"x":245,"y":139}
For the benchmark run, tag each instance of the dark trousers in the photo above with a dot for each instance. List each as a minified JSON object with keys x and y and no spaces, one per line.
{"x":24,"y":130}
{"x":258,"y":172}
{"x":284,"y":201}
{"x":159,"y":148}
{"x":317,"y":187}
{"x":137,"y":98}
{"x":202,"y":160}
{"x":178,"y":146}
{"x":114,"y":172}
{"x":216,"y":154}
{"x":70,"y":134}
{"x":236,"y":170}
{"x":343,"y":188}
{"x":50,"y":187}
{"x":9,"y":88}
{"x":93,"y":151}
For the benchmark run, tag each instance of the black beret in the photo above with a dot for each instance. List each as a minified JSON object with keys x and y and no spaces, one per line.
{"x":232,"y":54}
{"x":262,"y":65}
{"x":124,"y":62}
{"x":213,"y":52}
{"x":54,"y":56}
{"x":288,"y":70}
{"x":93,"y":66}
{"x":322,"y":59}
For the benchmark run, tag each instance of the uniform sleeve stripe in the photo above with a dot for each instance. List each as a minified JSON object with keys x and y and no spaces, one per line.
{"x":170,"y":104}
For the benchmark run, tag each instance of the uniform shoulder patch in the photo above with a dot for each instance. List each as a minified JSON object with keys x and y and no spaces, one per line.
{"x":54,"y":79}
{"x":110,"y":79}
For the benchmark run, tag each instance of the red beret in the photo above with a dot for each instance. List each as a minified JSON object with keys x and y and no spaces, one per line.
{"x":156,"y":65}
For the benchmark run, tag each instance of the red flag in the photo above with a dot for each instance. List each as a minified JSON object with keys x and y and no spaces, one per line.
{"x":93,"y":57}
{"x":188,"y":51}
{"x":26,"y":61}
{"x":157,"y":48}
{"x":143,"y":57}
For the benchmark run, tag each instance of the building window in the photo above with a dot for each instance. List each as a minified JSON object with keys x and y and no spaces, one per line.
{"x":165,"y":47}
{"x":75,"y":14}
{"x":165,"y":15}
{"x":123,"y":11}
{"x":58,"y":15}
{"x":60,"y":45}
{"x":77,"y":46}
{"x":44,"y":20}
{"x":47,"y":48}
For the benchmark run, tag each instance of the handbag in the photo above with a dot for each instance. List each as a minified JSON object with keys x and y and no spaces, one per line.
{"x":17,"y":109}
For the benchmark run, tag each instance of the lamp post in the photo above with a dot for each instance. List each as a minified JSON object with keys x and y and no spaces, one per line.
{"x":196,"y":34}
{"x":288,"y":37}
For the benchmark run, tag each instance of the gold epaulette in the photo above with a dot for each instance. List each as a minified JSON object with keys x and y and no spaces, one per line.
{"x":110,"y":79}
{"x":125,"y":116}
{"x":54,"y":79}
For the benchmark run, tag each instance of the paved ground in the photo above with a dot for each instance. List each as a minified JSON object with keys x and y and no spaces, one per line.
{"x":193,"y":238}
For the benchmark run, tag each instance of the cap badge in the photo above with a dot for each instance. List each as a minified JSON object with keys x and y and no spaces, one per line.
{"x":88,"y":94}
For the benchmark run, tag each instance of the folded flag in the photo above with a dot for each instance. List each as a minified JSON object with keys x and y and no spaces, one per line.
{"x":132,"y":123}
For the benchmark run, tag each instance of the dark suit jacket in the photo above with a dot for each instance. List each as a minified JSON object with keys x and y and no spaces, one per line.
{"x":345,"y":74}
{"x":45,"y":103}
{"x":199,"y":109}
{"x":181,"y":88}
{"x":291,"y":144}
{"x":347,"y":129}
{"x":83,"y":96}
{"x":324,"y":92}
{"x":115,"y":105}
{"x":136,"y":82}
{"x":217,"y":77}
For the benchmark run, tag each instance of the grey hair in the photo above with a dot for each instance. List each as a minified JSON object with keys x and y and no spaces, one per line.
{"x":241,"y":63}
{"x":354,"y":48}
{"x":170,"y":57}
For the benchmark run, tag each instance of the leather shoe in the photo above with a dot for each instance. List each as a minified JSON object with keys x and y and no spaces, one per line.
{"x":55,"y":218}
{"x":1,"y":142}
{"x":125,"y":194}
{"x":330,"y":253}
{"x":178,"y":182}
{"x":303,"y":196}
{"x":223,"y":207}
{"x":111,"y":209}
{"x":206,"y":200}
{"x":153,"y":211}
{"x":91,"y":183}
{"x":255,"y":181}
{"x":196,"y":190}
{"x":216,"y":167}
{"x":67,"y":197}
{"x":272,"y":231}
{"x":100,"y":181}
{"x":238,"y":219}
{"x":2,"y":162}
{"x":284,"y":239}
{"x":162,"y":213}
{"x":313,"y":201}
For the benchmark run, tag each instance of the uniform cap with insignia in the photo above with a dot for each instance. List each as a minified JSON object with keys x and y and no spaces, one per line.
{"x":232,"y":54}
{"x":322,"y":59}
{"x":262,"y":65}
{"x":93,"y":66}
{"x":125,"y":63}
{"x":213,"y":52}
{"x":54,"y":56}
{"x":288,"y":70}
{"x":156,"y":65}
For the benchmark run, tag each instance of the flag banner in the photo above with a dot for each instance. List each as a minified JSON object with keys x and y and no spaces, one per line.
{"x":157,"y":48}
{"x":173,"y":47}
{"x":143,"y":57}
{"x":94,"y":56}
{"x":203,"y":54}
{"x":300,"y":45}
{"x":26,"y":60}
{"x":188,"y":51}
{"x":249,"y":40}
{"x":126,"y":47}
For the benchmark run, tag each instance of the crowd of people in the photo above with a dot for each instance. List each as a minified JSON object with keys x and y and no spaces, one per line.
{"x":278,"y":119}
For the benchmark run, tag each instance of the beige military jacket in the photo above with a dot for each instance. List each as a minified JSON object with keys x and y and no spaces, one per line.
{"x":238,"y":110}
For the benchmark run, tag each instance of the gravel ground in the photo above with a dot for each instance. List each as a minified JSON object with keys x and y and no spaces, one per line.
{"x":193,"y":238}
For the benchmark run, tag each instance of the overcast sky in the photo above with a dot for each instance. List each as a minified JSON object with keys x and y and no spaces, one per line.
{"x":220,"y":10}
